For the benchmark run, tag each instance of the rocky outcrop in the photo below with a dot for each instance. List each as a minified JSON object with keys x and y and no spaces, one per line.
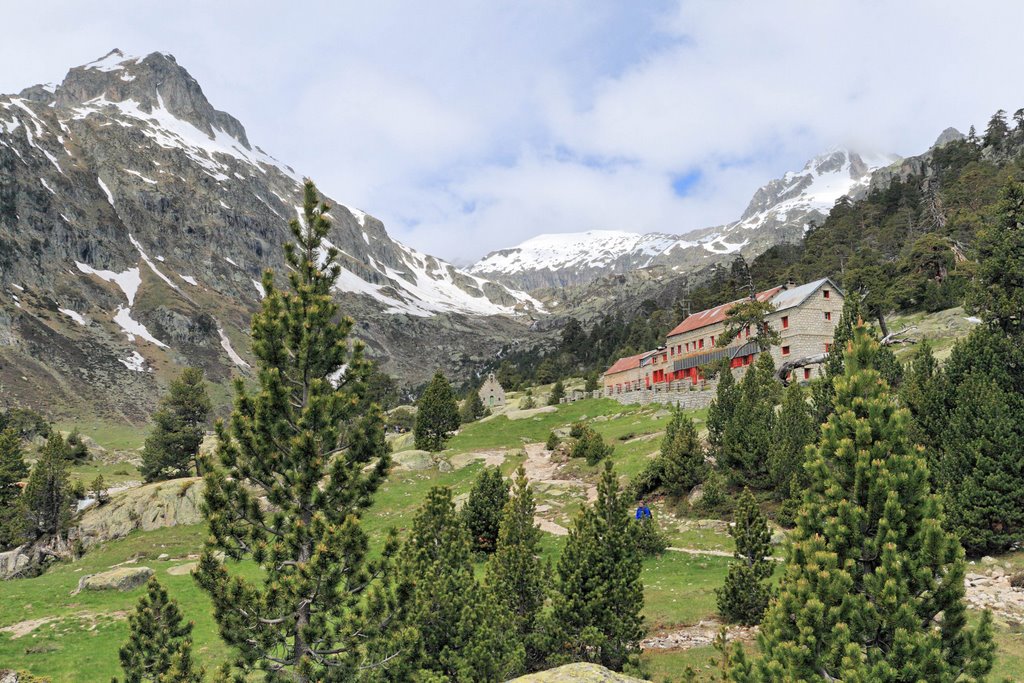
{"x":582,"y":672}
{"x":120,"y":579}
{"x":153,"y":506}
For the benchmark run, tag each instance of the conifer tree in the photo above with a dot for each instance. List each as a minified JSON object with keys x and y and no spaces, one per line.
{"x":178,"y":426}
{"x":682,"y":457}
{"x":12,"y":470}
{"x":593,"y":383}
{"x":722,"y":408}
{"x":463,"y":630}
{"x":483,"y":509}
{"x":747,"y":441}
{"x":597,"y":605}
{"x":437,"y":414}
{"x":515,"y":575}
{"x":557,"y":393}
{"x":472,"y":407}
{"x":874,"y":587}
{"x":997,"y":292}
{"x":47,"y":501}
{"x":307,"y":441}
{"x":745,"y":595}
{"x":794,"y":430}
{"x":919,"y":395}
{"x":159,"y":647}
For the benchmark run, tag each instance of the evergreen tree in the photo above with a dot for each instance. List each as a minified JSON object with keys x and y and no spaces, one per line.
{"x":597,"y":605}
{"x":874,"y":587}
{"x":552,"y":442}
{"x":12,"y":471}
{"x":472,"y":407}
{"x":794,"y":430}
{"x":78,"y":452}
{"x":745,"y":595}
{"x":305,"y":440}
{"x":593,"y":383}
{"x":997,"y":130}
{"x":483,"y":509}
{"x":515,"y":575}
{"x":981,"y":472}
{"x":47,"y":500}
{"x":918,"y":393}
{"x":997,"y":292}
{"x":437,"y":414}
{"x":722,"y":409}
{"x":178,"y":426}
{"x":747,"y":441}
{"x":557,"y":393}
{"x":750,"y":314}
{"x":463,"y":630}
{"x":159,"y":643}
{"x":682,"y":457}
{"x":591,"y":446}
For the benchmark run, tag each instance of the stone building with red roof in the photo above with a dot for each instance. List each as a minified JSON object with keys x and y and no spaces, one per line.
{"x":805,"y":317}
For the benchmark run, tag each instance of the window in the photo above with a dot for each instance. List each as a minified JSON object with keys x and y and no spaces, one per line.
{"x":828,"y":315}
{"x":673,"y":350}
{"x":807,"y":373}
{"x":712,"y":340}
{"x":748,"y":330}
{"x":700,"y":343}
{"x":785,"y":322}
{"x":746,"y":359}
{"x":687,"y":347}
{"x":785,"y":350}
{"x":826,"y":293}
{"x":828,"y":347}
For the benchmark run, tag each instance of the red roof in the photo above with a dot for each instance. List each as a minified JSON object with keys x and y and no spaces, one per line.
{"x":628,"y":363}
{"x":716,"y":314}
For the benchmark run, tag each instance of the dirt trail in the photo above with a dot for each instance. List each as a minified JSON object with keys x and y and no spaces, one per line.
{"x":540,"y":469}
{"x":701,"y":634}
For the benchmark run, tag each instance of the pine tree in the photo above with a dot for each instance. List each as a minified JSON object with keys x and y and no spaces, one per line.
{"x":557,"y":394}
{"x":997,"y":130}
{"x":515,"y":575}
{"x":747,"y":441}
{"x":982,"y":473}
{"x":305,"y":440}
{"x":159,"y":647}
{"x":437,"y":414}
{"x":483,"y":509}
{"x":918,"y":394}
{"x":874,"y":587}
{"x":997,"y":292}
{"x":682,"y":457}
{"x":12,"y":471}
{"x":472,"y":407}
{"x":463,"y":630}
{"x":597,"y":605}
{"x":178,"y":426}
{"x":47,"y":501}
{"x":592,"y":383}
{"x":722,"y":409}
{"x":745,"y":595}
{"x":794,"y":430}
{"x":78,"y":451}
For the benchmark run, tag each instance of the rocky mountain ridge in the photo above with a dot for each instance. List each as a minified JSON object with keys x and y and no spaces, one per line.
{"x":135,"y":223}
{"x":780,"y":211}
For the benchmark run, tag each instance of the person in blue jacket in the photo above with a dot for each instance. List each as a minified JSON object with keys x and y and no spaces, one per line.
{"x":643,"y":512}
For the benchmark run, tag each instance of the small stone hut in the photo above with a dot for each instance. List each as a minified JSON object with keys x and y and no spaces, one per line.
{"x":491,"y":392}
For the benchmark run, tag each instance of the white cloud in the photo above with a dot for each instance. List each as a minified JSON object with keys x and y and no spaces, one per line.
{"x":472,"y":126}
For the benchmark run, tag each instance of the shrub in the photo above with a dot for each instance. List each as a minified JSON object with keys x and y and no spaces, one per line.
{"x":591,"y":446}
{"x":647,"y":536}
{"x":552,"y":442}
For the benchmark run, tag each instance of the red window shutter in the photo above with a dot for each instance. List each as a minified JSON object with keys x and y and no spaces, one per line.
{"x":826,"y":293}
{"x":785,"y":322}
{"x":828,"y":315}
{"x":828,"y":347}
{"x":807,"y":373}
{"x":785,"y":350}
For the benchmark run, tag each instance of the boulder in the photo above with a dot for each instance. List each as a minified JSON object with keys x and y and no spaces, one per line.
{"x":413,"y":460}
{"x":120,"y":579}
{"x":153,"y":506}
{"x":581,"y":672}
{"x":14,"y":563}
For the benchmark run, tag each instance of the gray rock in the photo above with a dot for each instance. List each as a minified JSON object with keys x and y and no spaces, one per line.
{"x":120,"y":579}
{"x":582,"y":672}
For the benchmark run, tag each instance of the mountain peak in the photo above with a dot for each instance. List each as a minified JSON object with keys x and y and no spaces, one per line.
{"x":152,"y":83}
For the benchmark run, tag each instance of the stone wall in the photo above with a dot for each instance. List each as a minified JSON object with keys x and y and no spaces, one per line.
{"x":677,"y":393}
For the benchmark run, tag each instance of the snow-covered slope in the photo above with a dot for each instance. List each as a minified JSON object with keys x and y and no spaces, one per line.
{"x":780,"y":211}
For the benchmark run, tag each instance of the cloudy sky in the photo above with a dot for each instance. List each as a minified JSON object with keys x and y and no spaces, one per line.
{"x":471,"y":126}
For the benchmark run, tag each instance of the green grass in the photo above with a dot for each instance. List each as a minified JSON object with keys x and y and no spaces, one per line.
{"x":679,"y":588}
{"x":115,"y":436}
{"x":113,"y":473}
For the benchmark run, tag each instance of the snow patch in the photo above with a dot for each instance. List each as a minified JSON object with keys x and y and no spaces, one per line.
{"x":152,"y":266}
{"x":133,"y":328}
{"x":225,"y":344}
{"x":106,"y":190}
{"x":77,"y":317}
{"x":128,"y":281}
{"x":140,"y":176}
{"x":134,"y":362}
{"x":47,"y":185}
{"x":189,"y":279}
{"x":259,"y":288}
